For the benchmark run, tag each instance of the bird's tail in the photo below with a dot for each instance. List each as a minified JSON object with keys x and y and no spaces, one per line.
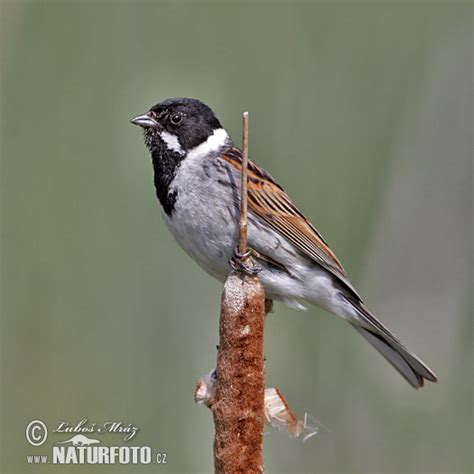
{"x":412,"y":369}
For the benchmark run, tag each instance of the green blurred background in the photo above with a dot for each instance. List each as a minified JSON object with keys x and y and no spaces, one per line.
{"x":362,"y":110}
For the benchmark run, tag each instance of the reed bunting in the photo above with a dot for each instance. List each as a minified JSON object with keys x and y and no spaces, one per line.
{"x":197,"y":172}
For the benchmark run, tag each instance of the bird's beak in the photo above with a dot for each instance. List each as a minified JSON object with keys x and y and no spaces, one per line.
{"x":144,"y":121}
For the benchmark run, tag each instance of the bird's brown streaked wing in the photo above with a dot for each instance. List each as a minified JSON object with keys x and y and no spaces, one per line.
{"x":269,"y":202}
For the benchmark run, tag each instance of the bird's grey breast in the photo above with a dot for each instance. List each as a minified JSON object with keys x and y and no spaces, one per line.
{"x":205,"y":216}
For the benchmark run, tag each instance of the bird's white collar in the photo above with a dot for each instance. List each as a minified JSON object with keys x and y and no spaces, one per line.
{"x":215,"y":141}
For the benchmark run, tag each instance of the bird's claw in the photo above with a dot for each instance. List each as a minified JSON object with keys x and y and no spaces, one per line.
{"x":244,"y":262}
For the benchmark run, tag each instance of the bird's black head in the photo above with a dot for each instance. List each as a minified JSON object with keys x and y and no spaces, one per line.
{"x":174,"y":130}
{"x":177,"y":125}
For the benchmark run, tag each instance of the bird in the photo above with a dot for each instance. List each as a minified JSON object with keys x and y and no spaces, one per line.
{"x":197,"y":172}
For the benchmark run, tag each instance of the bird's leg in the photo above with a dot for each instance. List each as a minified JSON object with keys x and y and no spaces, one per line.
{"x":244,"y":262}
{"x":268,"y":306}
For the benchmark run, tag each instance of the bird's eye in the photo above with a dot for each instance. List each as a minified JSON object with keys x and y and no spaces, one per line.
{"x":176,"y":119}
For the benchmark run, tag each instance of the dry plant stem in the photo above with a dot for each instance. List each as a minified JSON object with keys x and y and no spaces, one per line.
{"x":238,"y":408}
{"x":243,"y":189}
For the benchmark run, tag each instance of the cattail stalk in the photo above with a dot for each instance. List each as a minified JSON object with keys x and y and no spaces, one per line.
{"x":238,"y":406}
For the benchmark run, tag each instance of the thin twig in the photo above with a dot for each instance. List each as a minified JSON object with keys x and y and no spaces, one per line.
{"x":243,"y":189}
